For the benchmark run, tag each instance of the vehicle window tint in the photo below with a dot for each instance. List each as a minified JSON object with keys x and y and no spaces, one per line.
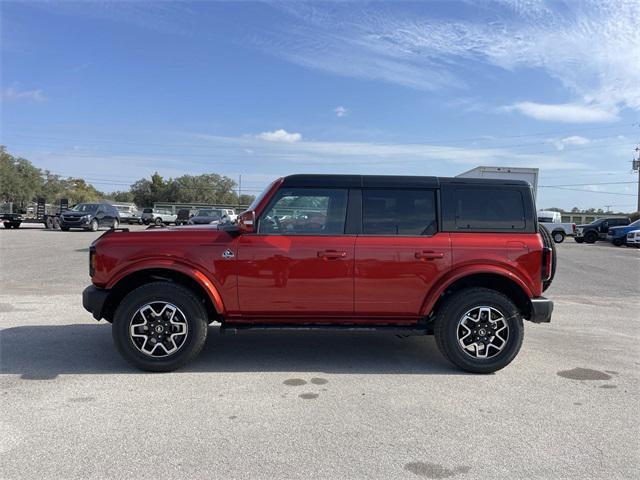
{"x":308,"y":211}
{"x":398,"y":212}
{"x":489,"y":209}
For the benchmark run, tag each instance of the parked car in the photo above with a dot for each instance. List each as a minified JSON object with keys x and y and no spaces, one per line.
{"x":229,"y":215}
{"x":618,"y":235}
{"x":159,"y":217}
{"x":462,"y":259}
{"x":207,"y":216}
{"x":129,"y":214}
{"x":183,"y":216}
{"x":633,"y":239}
{"x":552,"y":221}
{"x":90,"y":216}
{"x":598,"y":229}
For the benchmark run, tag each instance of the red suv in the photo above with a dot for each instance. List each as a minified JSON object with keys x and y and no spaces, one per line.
{"x":462,"y":259}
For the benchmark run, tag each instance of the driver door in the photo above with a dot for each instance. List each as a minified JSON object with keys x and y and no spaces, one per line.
{"x":299,"y":262}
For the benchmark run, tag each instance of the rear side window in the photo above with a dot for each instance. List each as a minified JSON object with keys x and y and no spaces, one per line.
{"x":478,"y":208}
{"x":398,"y":212}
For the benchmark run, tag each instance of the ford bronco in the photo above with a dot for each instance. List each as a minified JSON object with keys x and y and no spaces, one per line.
{"x":462,"y":259}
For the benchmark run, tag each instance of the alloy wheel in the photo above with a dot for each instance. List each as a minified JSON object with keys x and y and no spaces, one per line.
{"x":483,"y":332}
{"x":158,"y":329}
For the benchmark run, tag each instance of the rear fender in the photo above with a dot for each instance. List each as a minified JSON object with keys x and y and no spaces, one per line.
{"x":446,"y":281}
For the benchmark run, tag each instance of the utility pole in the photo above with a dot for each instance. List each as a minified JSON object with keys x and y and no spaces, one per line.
{"x":239,"y":186}
{"x":607,"y":208}
{"x":636,"y":168}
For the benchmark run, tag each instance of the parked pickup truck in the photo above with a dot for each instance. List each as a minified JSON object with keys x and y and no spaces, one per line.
{"x":552,"y":221}
{"x":461,"y":259}
{"x":618,"y":235}
{"x":598,"y":229}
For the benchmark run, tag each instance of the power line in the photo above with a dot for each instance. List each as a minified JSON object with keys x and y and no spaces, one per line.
{"x":593,"y":191}
{"x":449,"y":140}
{"x":586,"y":184}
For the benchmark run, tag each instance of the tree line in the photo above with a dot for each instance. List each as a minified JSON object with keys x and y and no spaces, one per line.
{"x":21,"y":182}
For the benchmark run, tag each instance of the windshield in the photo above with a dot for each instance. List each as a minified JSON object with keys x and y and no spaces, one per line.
{"x":85,"y":207}
{"x":259,"y":198}
{"x":208,"y":212}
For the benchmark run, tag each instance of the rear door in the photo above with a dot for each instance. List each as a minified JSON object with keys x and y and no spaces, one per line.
{"x":300,"y":261}
{"x":400,"y":254}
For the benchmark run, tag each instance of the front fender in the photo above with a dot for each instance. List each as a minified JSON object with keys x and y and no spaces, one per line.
{"x":459,"y":273}
{"x":177,"y":266}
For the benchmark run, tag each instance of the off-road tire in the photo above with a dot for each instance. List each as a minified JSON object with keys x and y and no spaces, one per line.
{"x":454,"y":308}
{"x":181,"y":297}
{"x":591,"y":237}
{"x":548,"y":242}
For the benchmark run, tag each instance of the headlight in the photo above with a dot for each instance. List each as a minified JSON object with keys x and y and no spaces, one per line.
{"x":86,"y":217}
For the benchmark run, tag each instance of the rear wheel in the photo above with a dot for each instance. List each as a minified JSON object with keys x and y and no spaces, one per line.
{"x":480,"y":330}
{"x":591,"y":237}
{"x":160,"y":326}
{"x":56,"y":223}
{"x":558,"y":236}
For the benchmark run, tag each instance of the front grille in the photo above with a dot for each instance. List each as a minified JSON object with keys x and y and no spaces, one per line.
{"x":71,"y":219}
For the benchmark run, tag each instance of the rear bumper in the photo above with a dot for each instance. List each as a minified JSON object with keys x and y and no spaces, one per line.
{"x":93,"y":300}
{"x":541,"y":310}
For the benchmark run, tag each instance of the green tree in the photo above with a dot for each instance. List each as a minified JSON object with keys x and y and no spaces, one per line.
{"x":245,"y":199}
{"x":147,"y":192}
{"x":20,"y":181}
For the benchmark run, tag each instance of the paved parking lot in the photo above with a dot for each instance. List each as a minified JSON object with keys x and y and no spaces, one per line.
{"x":316,"y":405}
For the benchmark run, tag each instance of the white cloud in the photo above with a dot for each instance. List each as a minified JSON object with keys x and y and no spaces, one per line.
{"x":340,"y":111}
{"x":592,"y":48}
{"x":572,"y":140}
{"x":280,"y":135}
{"x":14,"y":94}
{"x":566,"y":112}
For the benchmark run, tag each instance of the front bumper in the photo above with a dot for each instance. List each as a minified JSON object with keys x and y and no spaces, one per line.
{"x":541,"y":310}
{"x":93,"y":300}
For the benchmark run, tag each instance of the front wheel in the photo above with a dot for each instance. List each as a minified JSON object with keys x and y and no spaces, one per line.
{"x":617,"y":242}
{"x":116,"y":223}
{"x":93,"y":226}
{"x":480,"y":330}
{"x":158,"y":221}
{"x":160,"y":326}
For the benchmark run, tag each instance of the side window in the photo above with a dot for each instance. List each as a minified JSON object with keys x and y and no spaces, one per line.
{"x":398,"y":212}
{"x":305,"y":211}
{"x":488,"y":209}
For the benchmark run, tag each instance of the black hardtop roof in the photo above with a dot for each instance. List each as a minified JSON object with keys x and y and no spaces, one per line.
{"x":387,"y":181}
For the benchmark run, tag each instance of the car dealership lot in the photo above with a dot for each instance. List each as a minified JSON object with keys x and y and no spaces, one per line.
{"x":316,"y":405}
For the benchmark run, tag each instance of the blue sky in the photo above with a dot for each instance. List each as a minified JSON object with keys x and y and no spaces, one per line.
{"x":114,"y":91}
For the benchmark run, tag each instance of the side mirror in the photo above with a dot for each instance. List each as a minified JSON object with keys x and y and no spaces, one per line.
{"x":247,"y":221}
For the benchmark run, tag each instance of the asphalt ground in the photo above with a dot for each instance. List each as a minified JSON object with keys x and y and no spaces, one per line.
{"x":316,"y":405}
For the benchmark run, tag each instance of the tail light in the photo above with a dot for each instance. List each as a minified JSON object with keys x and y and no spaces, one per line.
{"x":573,"y":227}
{"x":92,"y":261}
{"x":547,"y":261}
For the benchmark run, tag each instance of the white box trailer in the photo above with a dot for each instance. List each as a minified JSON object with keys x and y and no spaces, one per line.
{"x":507,"y":173}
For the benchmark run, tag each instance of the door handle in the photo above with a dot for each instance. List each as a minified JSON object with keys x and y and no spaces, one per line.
{"x":429,"y":255}
{"x":331,"y":254}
